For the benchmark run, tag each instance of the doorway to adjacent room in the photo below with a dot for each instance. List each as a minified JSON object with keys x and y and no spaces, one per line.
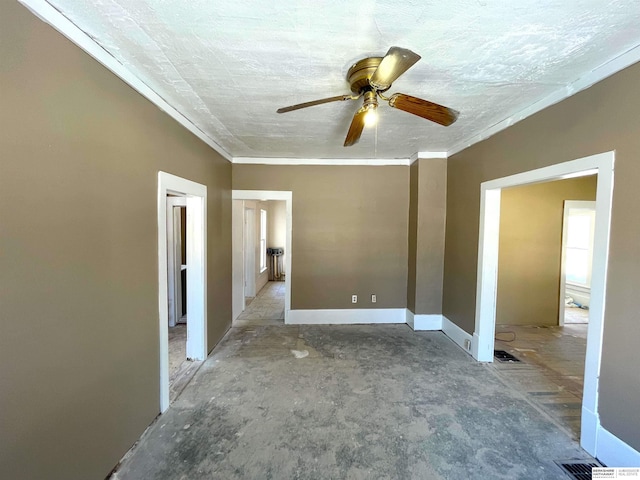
{"x":488,"y":249}
{"x":174,"y":194}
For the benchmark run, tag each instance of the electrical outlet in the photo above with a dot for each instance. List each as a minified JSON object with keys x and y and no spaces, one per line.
{"x":373,"y":298}
{"x":354,"y":298}
{"x":467,"y":344}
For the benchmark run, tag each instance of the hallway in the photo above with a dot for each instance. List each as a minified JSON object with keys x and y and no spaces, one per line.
{"x":357,"y":402}
{"x":267,"y":308}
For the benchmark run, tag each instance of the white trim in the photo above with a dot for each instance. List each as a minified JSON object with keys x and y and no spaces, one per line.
{"x":410,"y":318}
{"x":347,"y":316}
{"x":488,"y":265}
{"x":598,"y":74}
{"x":62,"y":24}
{"x":287,"y":196}
{"x":196,"y":273}
{"x":428,"y":155}
{"x":456,"y":334}
{"x":377,"y":162}
{"x":613,"y":452}
{"x":426,"y":322}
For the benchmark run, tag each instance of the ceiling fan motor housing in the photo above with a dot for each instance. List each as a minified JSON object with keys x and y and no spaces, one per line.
{"x":360,"y":73}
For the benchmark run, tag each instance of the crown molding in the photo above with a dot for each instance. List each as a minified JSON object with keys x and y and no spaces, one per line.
{"x":322,"y":161}
{"x":589,"y":79}
{"x":47,"y":13}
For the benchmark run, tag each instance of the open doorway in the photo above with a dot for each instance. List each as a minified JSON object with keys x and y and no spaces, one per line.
{"x":261,"y":224}
{"x":488,"y":251}
{"x":550,"y":355}
{"x":578,"y":226}
{"x":180,"y":366}
{"x":181,"y":222}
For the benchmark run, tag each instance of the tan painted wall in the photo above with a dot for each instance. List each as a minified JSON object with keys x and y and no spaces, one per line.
{"x":531,"y":249}
{"x":427,"y":216}
{"x":602,"y":118}
{"x":349,"y":231}
{"x":79,"y":156}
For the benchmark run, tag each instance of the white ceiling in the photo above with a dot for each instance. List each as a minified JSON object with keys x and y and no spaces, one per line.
{"x":228,"y":66}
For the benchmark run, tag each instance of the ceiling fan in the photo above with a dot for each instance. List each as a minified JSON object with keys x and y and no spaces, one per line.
{"x":370,"y":78}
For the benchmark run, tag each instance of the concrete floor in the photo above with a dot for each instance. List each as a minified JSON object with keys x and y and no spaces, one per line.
{"x":181,"y":370}
{"x":177,"y":348}
{"x":266,"y":308}
{"x":348,"y":402}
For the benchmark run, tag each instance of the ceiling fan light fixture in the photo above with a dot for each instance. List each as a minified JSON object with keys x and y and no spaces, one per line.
{"x":371,"y":117}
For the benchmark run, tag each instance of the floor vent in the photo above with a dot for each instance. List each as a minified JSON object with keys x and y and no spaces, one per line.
{"x":578,"y":469}
{"x":504,"y":356}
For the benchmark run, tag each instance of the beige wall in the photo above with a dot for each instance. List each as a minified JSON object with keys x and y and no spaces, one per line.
{"x":602,"y":118}
{"x":79,"y":156}
{"x":349,"y":231}
{"x":531,"y":249}
{"x":427,"y":216}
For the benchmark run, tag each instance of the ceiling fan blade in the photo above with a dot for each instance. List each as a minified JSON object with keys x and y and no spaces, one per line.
{"x":316,"y":102}
{"x":395,"y":63}
{"x":356,"y":127}
{"x":423,"y":108}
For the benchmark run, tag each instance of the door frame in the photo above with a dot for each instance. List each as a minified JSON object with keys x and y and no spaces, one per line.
{"x":266,"y":195}
{"x":487,"y":274}
{"x":196,"y":195}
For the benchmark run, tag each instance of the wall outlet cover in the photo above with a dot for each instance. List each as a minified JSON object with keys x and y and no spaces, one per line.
{"x":354,"y":298}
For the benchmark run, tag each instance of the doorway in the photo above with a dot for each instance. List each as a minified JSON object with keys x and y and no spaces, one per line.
{"x":488,"y":248}
{"x":550,"y":365}
{"x":249,"y":235}
{"x":252,"y":274}
{"x":578,"y":225}
{"x":194,"y":196}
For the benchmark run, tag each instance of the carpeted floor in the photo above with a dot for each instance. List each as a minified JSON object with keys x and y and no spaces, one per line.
{"x":348,"y":402}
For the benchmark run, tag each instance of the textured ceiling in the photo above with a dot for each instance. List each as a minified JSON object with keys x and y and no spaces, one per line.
{"x":228,"y":66}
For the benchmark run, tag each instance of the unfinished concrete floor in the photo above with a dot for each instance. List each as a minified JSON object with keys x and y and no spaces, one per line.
{"x":181,"y":370}
{"x":266,"y":308}
{"x":348,"y":402}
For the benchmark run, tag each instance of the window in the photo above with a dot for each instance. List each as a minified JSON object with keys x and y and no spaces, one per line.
{"x":263,"y":240}
{"x":579,"y":246}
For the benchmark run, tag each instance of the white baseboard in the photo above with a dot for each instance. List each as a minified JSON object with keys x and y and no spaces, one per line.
{"x":590,"y":424}
{"x":347,"y":316}
{"x":456,"y":334}
{"x":613,"y":452}
{"x":427,"y":322}
{"x":410,"y":318}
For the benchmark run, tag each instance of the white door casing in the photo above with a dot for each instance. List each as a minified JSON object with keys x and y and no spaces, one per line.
{"x":287,"y":196}
{"x":483,"y":336}
{"x":196,"y":200}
